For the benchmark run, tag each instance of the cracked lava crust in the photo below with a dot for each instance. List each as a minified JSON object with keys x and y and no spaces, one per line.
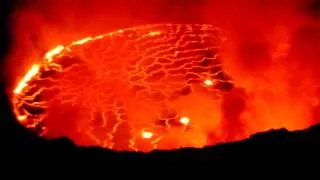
{"x":138,"y":89}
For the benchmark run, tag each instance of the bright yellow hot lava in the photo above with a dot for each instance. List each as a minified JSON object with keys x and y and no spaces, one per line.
{"x":208,"y":82}
{"x":23,"y":83}
{"x":146,"y":134}
{"x":184,"y":120}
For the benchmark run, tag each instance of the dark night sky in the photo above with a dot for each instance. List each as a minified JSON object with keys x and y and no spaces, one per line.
{"x":5,"y":9}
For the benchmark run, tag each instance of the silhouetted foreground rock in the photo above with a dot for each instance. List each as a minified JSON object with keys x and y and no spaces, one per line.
{"x":275,"y":145}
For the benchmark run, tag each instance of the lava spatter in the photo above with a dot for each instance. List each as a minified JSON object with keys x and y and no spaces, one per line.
{"x":142,"y":88}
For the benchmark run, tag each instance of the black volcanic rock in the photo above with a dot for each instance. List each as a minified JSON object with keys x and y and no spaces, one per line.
{"x":275,"y":145}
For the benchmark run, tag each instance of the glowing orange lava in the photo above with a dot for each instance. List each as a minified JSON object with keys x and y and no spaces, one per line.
{"x":141,"y":88}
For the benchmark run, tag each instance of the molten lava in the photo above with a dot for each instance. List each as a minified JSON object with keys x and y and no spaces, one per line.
{"x":163,"y":86}
{"x":141,"y":88}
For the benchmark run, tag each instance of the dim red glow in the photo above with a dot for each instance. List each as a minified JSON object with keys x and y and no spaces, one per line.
{"x":163,"y":86}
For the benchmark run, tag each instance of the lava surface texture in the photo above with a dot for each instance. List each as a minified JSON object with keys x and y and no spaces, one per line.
{"x":137,"y":89}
